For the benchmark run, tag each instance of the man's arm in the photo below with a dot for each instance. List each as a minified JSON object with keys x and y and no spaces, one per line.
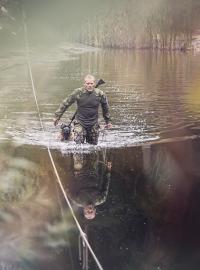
{"x":105,"y":185}
{"x":66,"y":103}
{"x":105,"y":109}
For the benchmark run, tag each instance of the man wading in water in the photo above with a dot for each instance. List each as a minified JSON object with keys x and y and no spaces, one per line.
{"x":88,"y":99}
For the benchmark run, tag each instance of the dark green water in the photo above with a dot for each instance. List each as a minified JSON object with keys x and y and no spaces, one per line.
{"x":149,"y":219}
{"x":150,"y":216}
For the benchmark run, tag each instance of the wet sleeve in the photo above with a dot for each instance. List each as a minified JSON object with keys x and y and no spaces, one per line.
{"x":105,"y":109}
{"x":66,"y":103}
{"x":104,"y":189}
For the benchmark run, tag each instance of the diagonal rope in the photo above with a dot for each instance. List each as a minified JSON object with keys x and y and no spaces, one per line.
{"x":49,"y":151}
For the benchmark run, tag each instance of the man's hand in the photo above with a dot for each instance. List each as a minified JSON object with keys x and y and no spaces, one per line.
{"x":55,"y":121}
{"x":109,"y":165}
{"x":107,"y":126}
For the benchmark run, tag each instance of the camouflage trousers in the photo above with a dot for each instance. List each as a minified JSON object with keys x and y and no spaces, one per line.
{"x":89,"y":135}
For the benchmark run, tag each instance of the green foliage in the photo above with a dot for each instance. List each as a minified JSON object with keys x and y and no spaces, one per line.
{"x":18,"y":180}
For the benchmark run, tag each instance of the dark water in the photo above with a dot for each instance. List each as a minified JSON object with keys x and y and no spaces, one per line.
{"x":149,"y":218}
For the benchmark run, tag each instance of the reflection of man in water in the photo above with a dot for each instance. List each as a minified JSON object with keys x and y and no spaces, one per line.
{"x":90,"y":184}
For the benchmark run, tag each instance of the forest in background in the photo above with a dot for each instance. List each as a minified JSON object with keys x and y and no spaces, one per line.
{"x":132,"y":24}
{"x":168,"y":24}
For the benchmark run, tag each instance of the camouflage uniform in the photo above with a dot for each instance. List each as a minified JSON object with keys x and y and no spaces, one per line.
{"x":90,"y":182}
{"x":86,"y":122}
{"x":81,"y":134}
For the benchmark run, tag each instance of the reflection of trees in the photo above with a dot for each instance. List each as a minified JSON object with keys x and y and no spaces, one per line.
{"x":137,"y":85}
{"x":30,"y":219}
{"x":19,"y":180}
{"x":142,"y":224}
{"x":171,"y":173}
{"x":7,"y":20}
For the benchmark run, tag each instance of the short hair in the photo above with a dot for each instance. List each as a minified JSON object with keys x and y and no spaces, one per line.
{"x":89,"y":77}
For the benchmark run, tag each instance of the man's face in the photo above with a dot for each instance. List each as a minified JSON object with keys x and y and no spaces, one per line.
{"x":89,"y":212}
{"x":89,"y":84}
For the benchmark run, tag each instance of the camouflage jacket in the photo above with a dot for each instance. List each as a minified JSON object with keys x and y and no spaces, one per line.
{"x":87,"y":106}
{"x":89,"y":188}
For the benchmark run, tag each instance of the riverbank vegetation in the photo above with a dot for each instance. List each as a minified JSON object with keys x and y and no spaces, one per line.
{"x":130,"y":24}
{"x":162,"y":24}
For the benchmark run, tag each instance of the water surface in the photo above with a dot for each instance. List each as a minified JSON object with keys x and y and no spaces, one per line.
{"x":149,"y":218}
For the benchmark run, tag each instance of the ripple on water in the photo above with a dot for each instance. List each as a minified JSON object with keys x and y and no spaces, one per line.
{"x":108,"y":139}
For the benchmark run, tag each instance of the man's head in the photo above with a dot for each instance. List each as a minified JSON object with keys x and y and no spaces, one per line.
{"x":89,"y":211}
{"x":89,"y":82}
